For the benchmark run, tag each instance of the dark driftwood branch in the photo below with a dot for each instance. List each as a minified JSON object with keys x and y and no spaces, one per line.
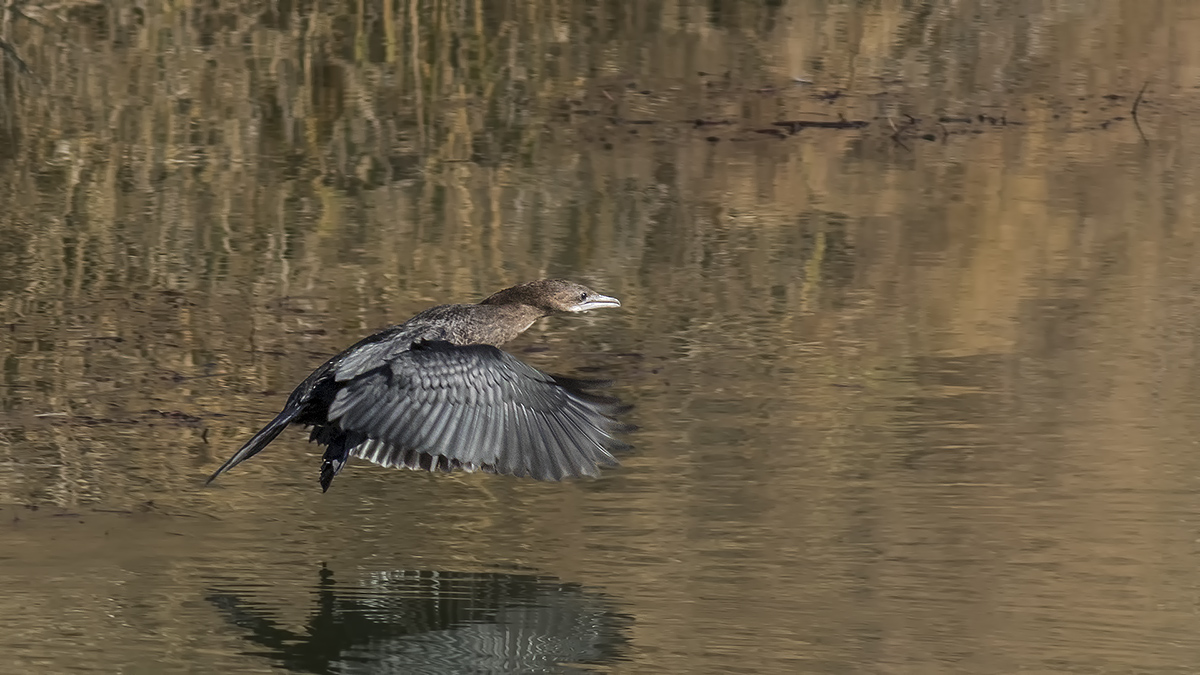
{"x":796,"y":125}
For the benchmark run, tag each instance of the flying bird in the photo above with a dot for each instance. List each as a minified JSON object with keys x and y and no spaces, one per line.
{"x":435,"y":393}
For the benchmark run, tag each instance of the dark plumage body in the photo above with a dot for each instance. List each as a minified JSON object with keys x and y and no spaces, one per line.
{"x":435,"y":393}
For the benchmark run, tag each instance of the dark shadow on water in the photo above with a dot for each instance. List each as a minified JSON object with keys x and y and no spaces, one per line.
{"x":425,"y":621}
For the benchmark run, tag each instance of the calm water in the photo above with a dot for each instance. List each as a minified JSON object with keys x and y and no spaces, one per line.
{"x":917,"y":385}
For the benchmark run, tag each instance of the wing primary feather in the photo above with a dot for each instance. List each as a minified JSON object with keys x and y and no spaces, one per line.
{"x":444,"y":425}
{"x":419,"y":428}
{"x":584,"y":428}
{"x":492,"y":431}
{"x":540,"y":452}
{"x":514,"y":444}
{"x":564,"y":449}
{"x":549,"y":468}
{"x":573,"y":452}
{"x":534,"y":452}
{"x":455,"y":428}
{"x":457,"y":442}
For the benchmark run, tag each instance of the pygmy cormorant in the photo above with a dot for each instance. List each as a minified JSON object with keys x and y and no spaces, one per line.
{"x":435,"y":393}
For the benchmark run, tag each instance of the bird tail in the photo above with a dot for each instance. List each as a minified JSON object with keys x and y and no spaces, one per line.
{"x":255,"y":445}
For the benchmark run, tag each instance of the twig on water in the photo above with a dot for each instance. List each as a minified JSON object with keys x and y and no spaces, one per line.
{"x":1133,"y":111}
{"x":898,"y":136}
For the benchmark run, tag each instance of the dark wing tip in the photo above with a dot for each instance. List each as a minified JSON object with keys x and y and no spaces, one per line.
{"x":609,"y":406}
{"x":581,"y":383}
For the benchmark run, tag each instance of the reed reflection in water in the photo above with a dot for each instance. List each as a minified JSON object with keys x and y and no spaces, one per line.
{"x":909,"y":318}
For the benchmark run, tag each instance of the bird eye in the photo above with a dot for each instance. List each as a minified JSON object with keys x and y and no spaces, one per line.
{"x":582,"y":297}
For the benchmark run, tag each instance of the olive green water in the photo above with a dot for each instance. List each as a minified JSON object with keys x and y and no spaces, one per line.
{"x":917,"y":386}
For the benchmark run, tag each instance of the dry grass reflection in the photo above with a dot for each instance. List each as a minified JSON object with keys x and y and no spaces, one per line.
{"x":923,"y":386}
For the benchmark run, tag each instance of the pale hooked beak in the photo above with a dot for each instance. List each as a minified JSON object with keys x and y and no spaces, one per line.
{"x":596,"y":301}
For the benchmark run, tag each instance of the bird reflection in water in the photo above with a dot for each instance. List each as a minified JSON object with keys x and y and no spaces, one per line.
{"x":435,"y":622}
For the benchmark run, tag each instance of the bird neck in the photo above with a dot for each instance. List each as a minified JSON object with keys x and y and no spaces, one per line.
{"x":514,"y":319}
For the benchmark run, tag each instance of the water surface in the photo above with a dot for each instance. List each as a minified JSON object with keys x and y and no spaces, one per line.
{"x":910,"y":325}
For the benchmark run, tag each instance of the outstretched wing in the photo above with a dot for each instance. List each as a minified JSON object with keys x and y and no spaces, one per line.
{"x":475,"y":407}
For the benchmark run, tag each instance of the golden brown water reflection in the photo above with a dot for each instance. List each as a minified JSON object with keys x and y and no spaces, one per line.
{"x":916,"y":387}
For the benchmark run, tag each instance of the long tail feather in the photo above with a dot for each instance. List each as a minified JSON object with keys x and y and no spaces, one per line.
{"x":255,"y":445}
